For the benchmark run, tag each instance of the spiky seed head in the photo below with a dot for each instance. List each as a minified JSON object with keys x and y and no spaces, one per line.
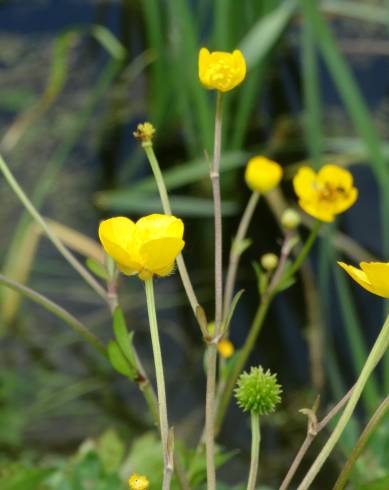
{"x":257,"y":391}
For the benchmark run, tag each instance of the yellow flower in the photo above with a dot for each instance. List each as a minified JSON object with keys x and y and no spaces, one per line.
{"x":225,"y":348}
{"x":220,"y":70}
{"x":262,"y":174}
{"x":325,"y":194}
{"x":147,"y":247}
{"x":373,"y":276}
{"x":138,"y":482}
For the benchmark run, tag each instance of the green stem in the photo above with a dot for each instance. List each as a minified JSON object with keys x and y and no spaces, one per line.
{"x":52,"y":237}
{"x":149,"y":151}
{"x":162,"y":407}
{"x":255,"y":442}
{"x":236,"y":252}
{"x":212,"y":350}
{"x":241,"y":361}
{"x":361,"y":443}
{"x":378,"y":350}
{"x":58,"y":311}
{"x":305,"y":250}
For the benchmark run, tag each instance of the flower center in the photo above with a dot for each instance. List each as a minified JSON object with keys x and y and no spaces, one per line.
{"x":221,"y":72}
{"x":329,"y":192}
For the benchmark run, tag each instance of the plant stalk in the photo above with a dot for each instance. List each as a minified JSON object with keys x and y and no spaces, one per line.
{"x":212,"y":349}
{"x":149,"y":151}
{"x":255,"y":443}
{"x":235,"y":252}
{"x":162,"y":407}
{"x":378,"y":350}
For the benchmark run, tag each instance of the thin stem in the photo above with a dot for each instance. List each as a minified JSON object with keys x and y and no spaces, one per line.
{"x":306,"y":249}
{"x":378,"y":350}
{"x":57,"y":310}
{"x":255,"y":442}
{"x":212,"y":350}
{"x":149,"y":151}
{"x":312,"y":432}
{"x":240,"y":362}
{"x":162,"y":407}
{"x":235,"y":251}
{"x":361,"y":443}
{"x":52,"y":236}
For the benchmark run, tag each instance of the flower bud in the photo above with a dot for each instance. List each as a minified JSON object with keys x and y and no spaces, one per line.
{"x":269,"y":261}
{"x":262,"y":174}
{"x":290,"y":219}
{"x":258,"y":391}
{"x":225,"y":348}
{"x":144,"y":132}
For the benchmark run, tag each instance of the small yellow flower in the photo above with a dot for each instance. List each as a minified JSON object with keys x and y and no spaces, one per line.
{"x":147,"y":247}
{"x":262,"y":174}
{"x":373,"y":276}
{"x":138,"y":482}
{"x":325,"y":194}
{"x":220,"y":70}
{"x":144,"y":132}
{"x":290,"y":219}
{"x":226,"y":348}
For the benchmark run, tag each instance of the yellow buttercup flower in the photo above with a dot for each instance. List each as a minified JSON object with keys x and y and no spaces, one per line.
{"x":138,"y":482}
{"x":220,"y":70}
{"x":373,"y":276}
{"x":147,"y":247}
{"x":226,"y":348}
{"x":262,"y":174}
{"x":326,"y":193}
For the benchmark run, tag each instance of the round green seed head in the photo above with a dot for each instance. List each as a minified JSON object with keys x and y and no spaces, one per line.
{"x":258,"y":391}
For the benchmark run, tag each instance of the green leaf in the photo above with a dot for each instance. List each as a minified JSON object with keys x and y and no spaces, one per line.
{"x":264,"y":34}
{"x":97,"y":268}
{"x":380,"y":484}
{"x":110,"y":449}
{"x":123,"y":338}
{"x":240,"y":247}
{"x":196,"y":207}
{"x":119,"y":361}
{"x":231,"y":310}
{"x":19,"y":477}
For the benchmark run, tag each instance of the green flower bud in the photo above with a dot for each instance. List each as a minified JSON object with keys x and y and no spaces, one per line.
{"x":269,"y":261}
{"x":290,"y":219}
{"x":258,"y":391}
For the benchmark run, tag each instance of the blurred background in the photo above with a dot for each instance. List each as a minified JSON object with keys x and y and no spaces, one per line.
{"x":76,"y":79}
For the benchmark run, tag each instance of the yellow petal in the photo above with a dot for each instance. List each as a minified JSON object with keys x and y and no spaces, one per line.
{"x":158,"y":255}
{"x":117,"y":236}
{"x":262,"y":174}
{"x":378,"y":276}
{"x":359,"y":276}
{"x":157,"y":226}
{"x":336,"y":176}
{"x":304,"y":183}
{"x":346,"y":201}
{"x":204,"y":56}
{"x":319,"y":210}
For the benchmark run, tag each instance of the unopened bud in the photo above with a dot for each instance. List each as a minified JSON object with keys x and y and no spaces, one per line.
{"x":290,"y":219}
{"x":269,"y":261}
